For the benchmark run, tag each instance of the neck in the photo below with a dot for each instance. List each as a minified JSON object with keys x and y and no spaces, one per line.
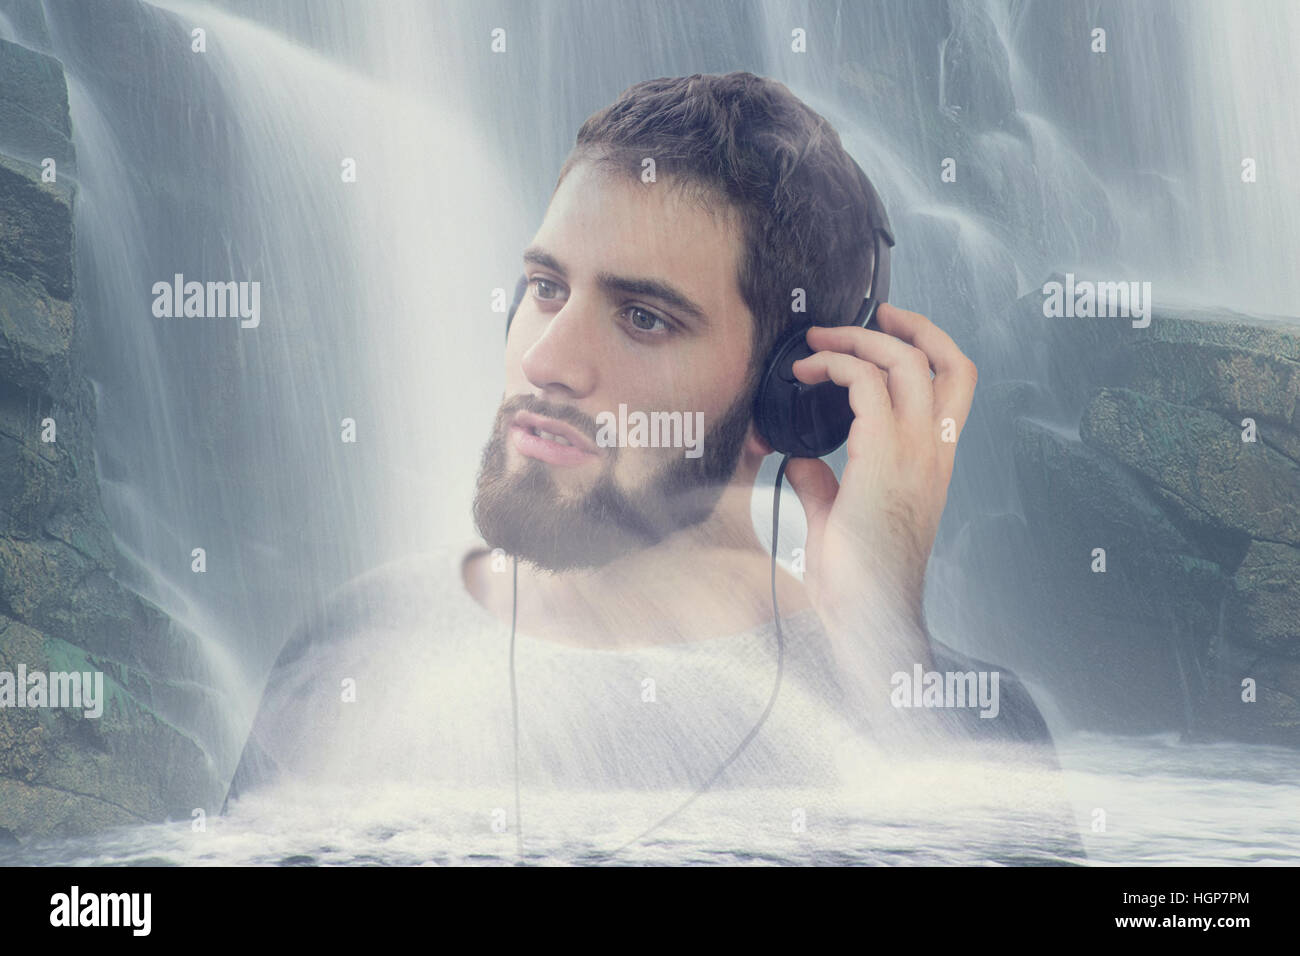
{"x":708,"y":580}
{"x":682,"y":555}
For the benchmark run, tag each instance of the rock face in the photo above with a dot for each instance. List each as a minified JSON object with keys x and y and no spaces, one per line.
{"x":1195,"y":623}
{"x":61,"y":608}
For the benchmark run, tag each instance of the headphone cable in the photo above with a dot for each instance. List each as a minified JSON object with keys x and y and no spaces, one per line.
{"x":771,"y":702}
{"x":514,"y":706}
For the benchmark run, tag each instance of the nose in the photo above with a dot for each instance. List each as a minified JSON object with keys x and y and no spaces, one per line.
{"x":562,"y":361}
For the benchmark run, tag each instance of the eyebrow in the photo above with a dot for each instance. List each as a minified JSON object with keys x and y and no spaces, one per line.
{"x":611,"y":284}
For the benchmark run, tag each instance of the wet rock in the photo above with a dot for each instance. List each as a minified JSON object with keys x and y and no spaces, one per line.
{"x":1199,"y":463}
{"x":1264,"y":607}
{"x":1131,"y":439}
{"x":61,"y":608}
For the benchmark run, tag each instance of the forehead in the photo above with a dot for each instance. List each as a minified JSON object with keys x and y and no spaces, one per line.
{"x":602,"y":220}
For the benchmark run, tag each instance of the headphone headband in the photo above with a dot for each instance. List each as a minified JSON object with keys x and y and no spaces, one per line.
{"x":882,"y":238}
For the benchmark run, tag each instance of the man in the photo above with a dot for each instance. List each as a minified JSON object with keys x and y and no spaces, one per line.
{"x":689,"y":218}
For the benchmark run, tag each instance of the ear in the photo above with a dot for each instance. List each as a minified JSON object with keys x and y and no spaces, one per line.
{"x":755,"y":444}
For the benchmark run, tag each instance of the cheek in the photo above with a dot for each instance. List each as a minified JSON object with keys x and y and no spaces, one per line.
{"x":636,"y":468}
{"x":514,"y":363}
{"x":706,"y":380}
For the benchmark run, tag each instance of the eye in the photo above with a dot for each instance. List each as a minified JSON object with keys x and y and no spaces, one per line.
{"x":639,"y":315}
{"x":538,"y":283}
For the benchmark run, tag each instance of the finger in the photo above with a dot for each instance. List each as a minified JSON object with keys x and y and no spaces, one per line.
{"x":955,"y":374}
{"x":816,"y":486}
{"x":908,"y":368}
{"x":868,"y":393}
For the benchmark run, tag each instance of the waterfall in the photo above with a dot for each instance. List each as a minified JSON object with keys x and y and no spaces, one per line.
{"x":229,"y":165}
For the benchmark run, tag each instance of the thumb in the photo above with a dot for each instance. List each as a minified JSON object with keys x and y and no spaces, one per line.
{"x":815,"y":485}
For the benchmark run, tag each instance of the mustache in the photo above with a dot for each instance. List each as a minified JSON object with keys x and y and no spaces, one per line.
{"x":585,"y":424}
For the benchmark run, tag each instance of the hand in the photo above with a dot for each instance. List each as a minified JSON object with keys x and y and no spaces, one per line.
{"x":870,"y":535}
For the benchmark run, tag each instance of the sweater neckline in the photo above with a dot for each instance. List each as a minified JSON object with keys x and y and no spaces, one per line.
{"x":463,"y":549}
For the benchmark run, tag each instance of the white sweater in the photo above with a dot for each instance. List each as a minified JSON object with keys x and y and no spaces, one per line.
{"x":403,"y":679}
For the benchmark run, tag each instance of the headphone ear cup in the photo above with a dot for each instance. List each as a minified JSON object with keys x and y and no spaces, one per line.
{"x":520,"y":288}
{"x":797,"y":419}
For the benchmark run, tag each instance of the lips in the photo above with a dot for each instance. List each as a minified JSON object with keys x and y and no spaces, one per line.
{"x":555,"y":429}
{"x":551,"y":441}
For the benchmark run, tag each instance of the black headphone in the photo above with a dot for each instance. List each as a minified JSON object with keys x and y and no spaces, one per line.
{"x":796,"y":419}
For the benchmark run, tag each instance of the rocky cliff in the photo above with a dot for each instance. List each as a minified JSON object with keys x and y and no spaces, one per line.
{"x":61,"y":608}
{"x":1137,"y":441}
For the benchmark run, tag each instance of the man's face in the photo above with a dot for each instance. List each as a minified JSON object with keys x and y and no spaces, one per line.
{"x":616,"y":274}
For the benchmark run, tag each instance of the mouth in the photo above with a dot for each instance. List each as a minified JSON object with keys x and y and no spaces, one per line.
{"x":551,"y":441}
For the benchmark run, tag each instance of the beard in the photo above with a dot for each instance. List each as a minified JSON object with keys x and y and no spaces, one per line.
{"x":525,"y":514}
